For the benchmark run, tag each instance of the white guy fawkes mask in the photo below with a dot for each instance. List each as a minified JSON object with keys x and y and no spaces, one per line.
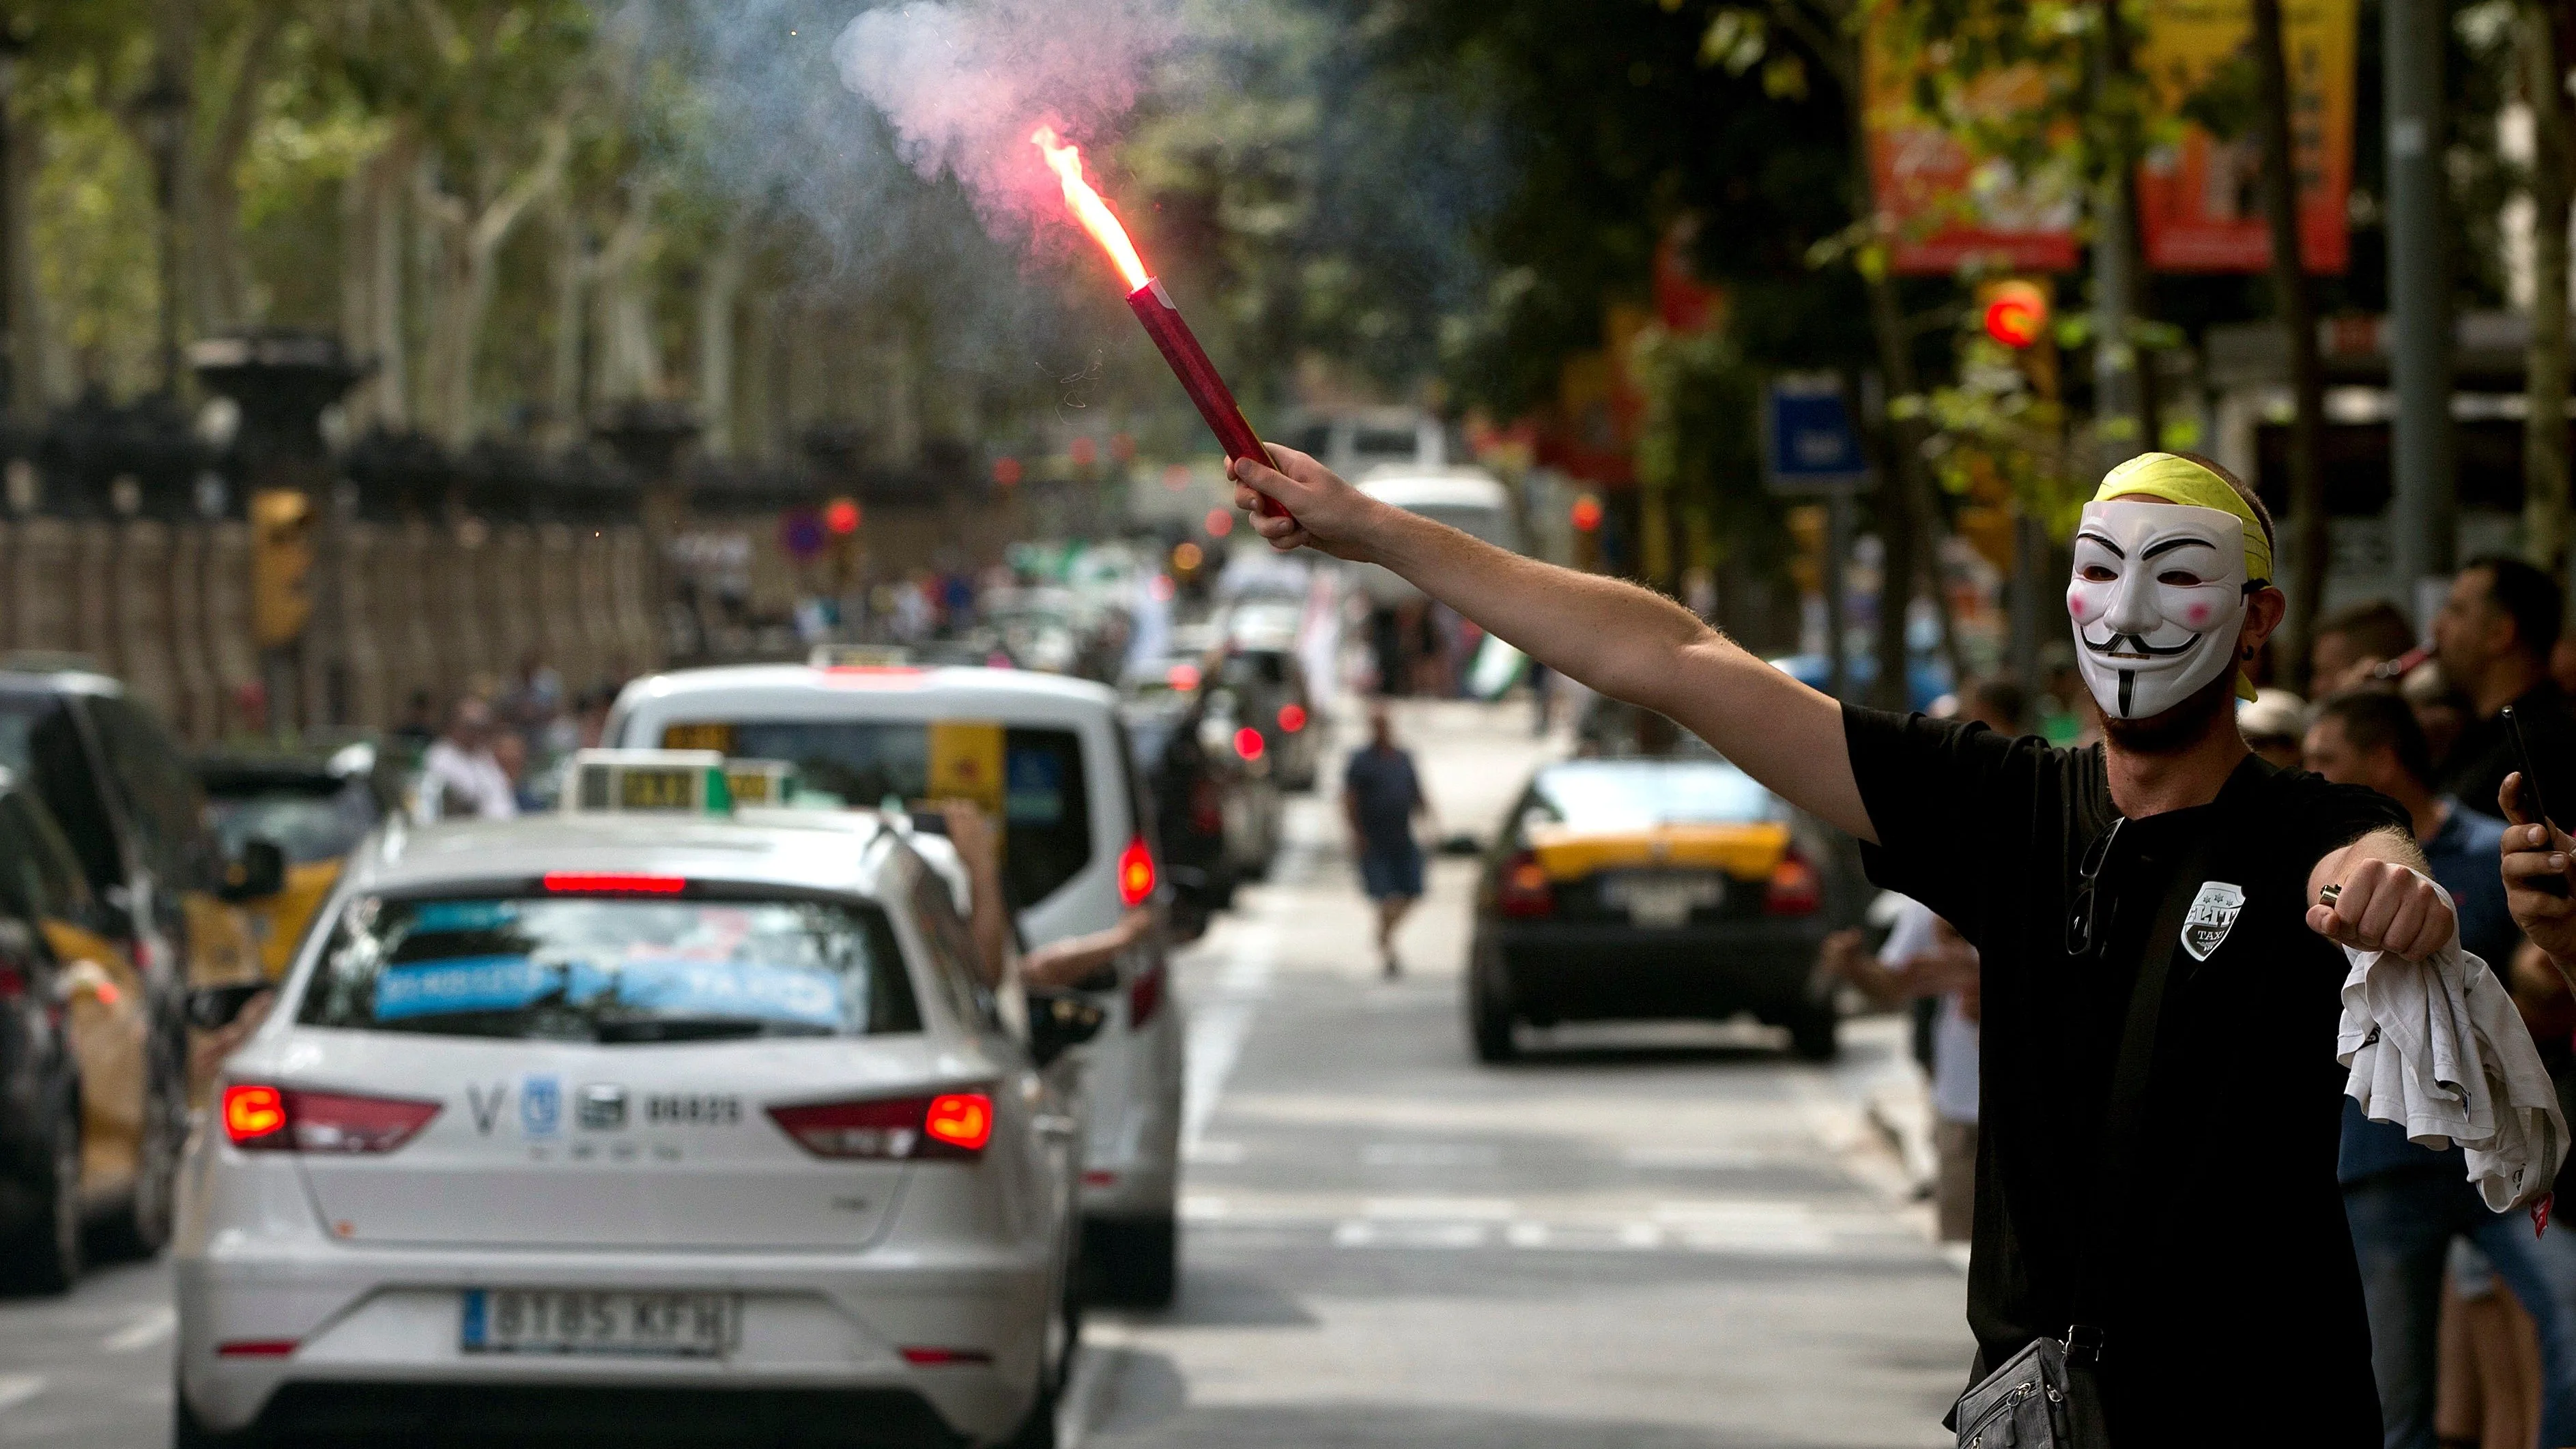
{"x":2158,"y":598}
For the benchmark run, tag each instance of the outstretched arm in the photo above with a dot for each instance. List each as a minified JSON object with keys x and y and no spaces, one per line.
{"x":1624,"y":641}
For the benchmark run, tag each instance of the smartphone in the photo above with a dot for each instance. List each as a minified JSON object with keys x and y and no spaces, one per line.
{"x":2534,"y":798}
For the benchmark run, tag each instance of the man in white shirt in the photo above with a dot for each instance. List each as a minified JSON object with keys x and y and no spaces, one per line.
{"x":459,"y":778}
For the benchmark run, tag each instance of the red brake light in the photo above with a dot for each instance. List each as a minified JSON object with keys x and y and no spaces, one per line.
{"x":1182,"y":677}
{"x":953,"y":1124}
{"x":1135,"y":873}
{"x":256,"y":1348}
{"x":963,"y":1120}
{"x":943,"y":1357}
{"x":1247,"y":743}
{"x":1525,"y":889}
{"x":1144,"y":997}
{"x":595,"y":883}
{"x":1292,"y":717}
{"x":262,"y":1118}
{"x":1795,"y":889}
{"x":255,"y":1116}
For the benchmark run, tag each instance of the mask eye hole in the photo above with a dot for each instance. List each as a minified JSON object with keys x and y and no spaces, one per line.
{"x":2096,"y":573}
{"x":2180,"y":579}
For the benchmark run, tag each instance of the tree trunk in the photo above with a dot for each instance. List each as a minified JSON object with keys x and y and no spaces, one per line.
{"x":566,"y":394}
{"x":470,"y":245}
{"x":2553,"y":177}
{"x":627,"y":356}
{"x":2297,"y":315}
{"x":29,"y":386}
{"x":2119,"y":412}
{"x":371,"y":284}
{"x":718,"y":290}
{"x":221,"y":273}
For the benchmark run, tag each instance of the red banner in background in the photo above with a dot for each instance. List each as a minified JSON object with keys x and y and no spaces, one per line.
{"x":2200,"y":200}
{"x":1942,"y":204}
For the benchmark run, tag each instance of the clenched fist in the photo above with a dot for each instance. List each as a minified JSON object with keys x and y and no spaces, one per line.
{"x":2383,"y":906}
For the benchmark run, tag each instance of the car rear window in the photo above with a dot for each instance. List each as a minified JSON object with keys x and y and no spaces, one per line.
{"x":611,"y":969}
{"x":1640,"y":794}
{"x":311,"y":821}
{"x":1046,"y":808}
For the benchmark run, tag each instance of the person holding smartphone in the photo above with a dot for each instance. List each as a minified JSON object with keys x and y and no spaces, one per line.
{"x":2059,"y":866}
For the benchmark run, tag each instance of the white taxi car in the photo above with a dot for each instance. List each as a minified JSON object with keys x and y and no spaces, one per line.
{"x":1049,"y":757}
{"x":647,"y":1117}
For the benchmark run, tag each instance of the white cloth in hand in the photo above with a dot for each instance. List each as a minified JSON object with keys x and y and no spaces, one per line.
{"x":2437,"y":1047}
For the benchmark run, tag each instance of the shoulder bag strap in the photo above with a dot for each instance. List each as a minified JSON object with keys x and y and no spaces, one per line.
{"x":2104,"y":1230}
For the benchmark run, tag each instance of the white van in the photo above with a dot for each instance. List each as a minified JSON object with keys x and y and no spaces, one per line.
{"x":1049,"y":756}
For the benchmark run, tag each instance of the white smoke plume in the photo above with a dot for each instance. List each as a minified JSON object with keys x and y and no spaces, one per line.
{"x":964,"y":82}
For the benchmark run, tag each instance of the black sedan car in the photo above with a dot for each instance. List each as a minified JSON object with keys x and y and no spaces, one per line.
{"x":41,"y":1201}
{"x":1657,"y":888}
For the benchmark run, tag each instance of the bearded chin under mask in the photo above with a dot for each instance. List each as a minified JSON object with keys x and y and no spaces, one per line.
{"x":2178,"y":728}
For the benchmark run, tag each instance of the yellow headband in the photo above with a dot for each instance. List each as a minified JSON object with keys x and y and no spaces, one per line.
{"x":2180,"y":480}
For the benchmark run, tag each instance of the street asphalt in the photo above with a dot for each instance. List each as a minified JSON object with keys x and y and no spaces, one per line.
{"x":1653,"y":1238}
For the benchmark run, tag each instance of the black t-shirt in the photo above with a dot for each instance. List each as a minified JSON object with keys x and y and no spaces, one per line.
{"x":2232,"y":1296}
{"x":2483,"y":755}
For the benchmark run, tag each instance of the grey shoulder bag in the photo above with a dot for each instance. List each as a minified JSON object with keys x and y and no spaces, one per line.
{"x":2046,"y":1396}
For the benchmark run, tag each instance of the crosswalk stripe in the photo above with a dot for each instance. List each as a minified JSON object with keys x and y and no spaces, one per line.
{"x":16,"y":1389}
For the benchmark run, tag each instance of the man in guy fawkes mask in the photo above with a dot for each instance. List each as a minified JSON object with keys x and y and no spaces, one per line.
{"x":2070,"y":871}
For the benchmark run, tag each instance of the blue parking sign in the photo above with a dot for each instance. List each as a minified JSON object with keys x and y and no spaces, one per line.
{"x":1809,"y":444}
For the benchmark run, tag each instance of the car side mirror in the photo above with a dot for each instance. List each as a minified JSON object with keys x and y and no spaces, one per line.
{"x":1059,"y":1021}
{"x":255,"y":874}
{"x":212,"y":1008}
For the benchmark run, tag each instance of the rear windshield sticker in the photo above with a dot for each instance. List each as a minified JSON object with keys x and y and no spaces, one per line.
{"x":463,"y":915}
{"x":732,"y":988}
{"x":673,"y":987}
{"x":466,"y":983}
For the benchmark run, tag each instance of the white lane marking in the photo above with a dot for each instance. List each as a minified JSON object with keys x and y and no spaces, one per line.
{"x":16,"y":1389}
{"x":1429,"y":1154}
{"x":1218,"y":1027}
{"x":1425,"y":1209}
{"x":1214,"y":1154}
{"x":1367,"y":1233}
{"x":149,"y":1328}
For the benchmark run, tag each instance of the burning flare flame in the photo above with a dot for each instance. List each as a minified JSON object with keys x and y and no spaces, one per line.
{"x":1089,"y":209}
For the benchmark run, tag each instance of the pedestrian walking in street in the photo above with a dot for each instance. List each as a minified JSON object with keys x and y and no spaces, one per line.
{"x":2158,"y":921}
{"x":1381,"y":795}
{"x":2407,"y":1203}
{"x":459,"y":777}
{"x":2493,"y":640}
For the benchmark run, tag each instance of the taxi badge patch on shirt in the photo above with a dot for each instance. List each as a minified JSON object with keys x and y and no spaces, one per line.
{"x":2213,"y":915}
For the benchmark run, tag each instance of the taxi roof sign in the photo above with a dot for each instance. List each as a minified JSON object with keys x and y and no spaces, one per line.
{"x":662,"y":782}
{"x":761,"y":782}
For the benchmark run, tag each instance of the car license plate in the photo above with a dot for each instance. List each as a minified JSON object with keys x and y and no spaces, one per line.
{"x":1665,"y":900}
{"x":570,"y":1321}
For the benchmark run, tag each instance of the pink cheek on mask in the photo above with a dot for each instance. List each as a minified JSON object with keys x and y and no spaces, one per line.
{"x":2198,"y":614}
{"x":2075,"y":602}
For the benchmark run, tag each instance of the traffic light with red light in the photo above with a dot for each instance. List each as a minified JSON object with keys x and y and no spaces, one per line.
{"x":2016,"y":313}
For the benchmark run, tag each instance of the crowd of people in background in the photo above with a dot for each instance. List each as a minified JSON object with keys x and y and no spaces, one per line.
{"x":497,"y":748}
{"x":2473,"y":1314}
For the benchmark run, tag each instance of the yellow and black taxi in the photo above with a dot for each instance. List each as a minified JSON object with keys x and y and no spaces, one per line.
{"x":1658,"y":888}
{"x":314,"y":808}
{"x":142,"y":906}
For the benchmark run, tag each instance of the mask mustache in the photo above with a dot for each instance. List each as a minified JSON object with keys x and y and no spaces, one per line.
{"x":2139,"y":647}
